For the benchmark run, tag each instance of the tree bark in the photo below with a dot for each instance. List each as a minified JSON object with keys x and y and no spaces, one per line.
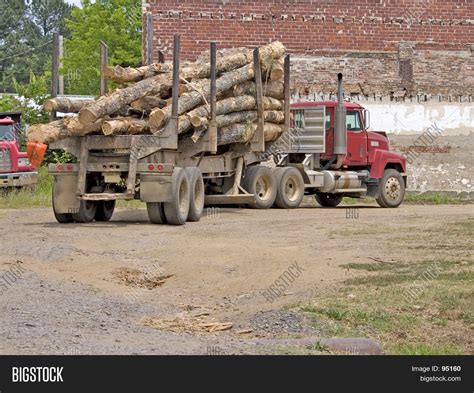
{"x":126,"y":125}
{"x":274,"y":89}
{"x":111,"y":103}
{"x":126,"y":75}
{"x":276,"y":117}
{"x":67,"y":105}
{"x":148,"y":103}
{"x":243,"y":133}
{"x":61,"y":129}
{"x":199,"y":116}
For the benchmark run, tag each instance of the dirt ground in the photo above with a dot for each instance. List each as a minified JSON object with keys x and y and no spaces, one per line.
{"x":130,"y":287}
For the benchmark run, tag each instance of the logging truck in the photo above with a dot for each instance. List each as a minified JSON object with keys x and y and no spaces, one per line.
{"x":16,"y":170}
{"x":325,"y":150}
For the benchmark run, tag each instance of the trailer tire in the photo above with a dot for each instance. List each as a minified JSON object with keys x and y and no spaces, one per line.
{"x":328,"y":199}
{"x":62,"y":218}
{"x":391,"y":189}
{"x":176,"y":211}
{"x":105,"y":210}
{"x":290,"y":188}
{"x":260,"y":181}
{"x":156,"y":214}
{"x":86,"y":212}
{"x":196,"y":193}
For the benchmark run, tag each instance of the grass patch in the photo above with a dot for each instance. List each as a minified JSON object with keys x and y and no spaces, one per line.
{"x":426,"y":349}
{"x":437,"y":319}
{"x":40,"y":197}
{"x":371,"y":267}
{"x":433,"y":198}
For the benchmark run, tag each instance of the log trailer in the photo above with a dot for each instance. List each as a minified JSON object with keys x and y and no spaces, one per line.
{"x":325,"y":150}
{"x":16,"y":170}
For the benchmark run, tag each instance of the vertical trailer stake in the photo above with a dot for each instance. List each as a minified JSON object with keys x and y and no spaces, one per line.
{"x":286,"y":82}
{"x":213,"y":123}
{"x":258,"y":141}
{"x":171,"y":130}
{"x":104,"y":58}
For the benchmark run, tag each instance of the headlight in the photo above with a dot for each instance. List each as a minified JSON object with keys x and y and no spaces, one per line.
{"x":23,"y":162}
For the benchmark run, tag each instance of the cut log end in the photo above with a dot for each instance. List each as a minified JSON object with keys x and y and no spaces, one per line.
{"x":276,"y":74}
{"x":87,"y":116}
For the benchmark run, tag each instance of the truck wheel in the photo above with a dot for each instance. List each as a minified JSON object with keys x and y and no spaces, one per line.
{"x":328,"y":200}
{"x":260,"y":181}
{"x":391,"y":189}
{"x":156,"y":214}
{"x":86,"y":213}
{"x":62,"y":218}
{"x":196,"y":193}
{"x":176,"y":211}
{"x":105,"y":210}
{"x":290,"y":188}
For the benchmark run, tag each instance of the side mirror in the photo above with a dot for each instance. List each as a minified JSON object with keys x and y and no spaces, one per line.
{"x":366,"y":119}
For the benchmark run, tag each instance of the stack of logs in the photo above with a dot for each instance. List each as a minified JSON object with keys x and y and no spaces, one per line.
{"x":143,"y":103}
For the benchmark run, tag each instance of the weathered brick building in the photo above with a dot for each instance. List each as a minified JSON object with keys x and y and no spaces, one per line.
{"x":384,"y":47}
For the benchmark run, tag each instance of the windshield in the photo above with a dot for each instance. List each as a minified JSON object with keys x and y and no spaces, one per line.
{"x":6,"y":132}
{"x":352,"y":121}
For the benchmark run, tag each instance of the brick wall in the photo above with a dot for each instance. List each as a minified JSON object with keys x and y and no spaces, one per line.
{"x":385,"y":47}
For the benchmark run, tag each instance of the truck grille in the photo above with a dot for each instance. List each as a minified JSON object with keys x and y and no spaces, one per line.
{"x":5,"y":160}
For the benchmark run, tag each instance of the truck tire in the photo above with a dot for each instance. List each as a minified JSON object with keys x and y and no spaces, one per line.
{"x":260,"y":181}
{"x":176,"y":211}
{"x":105,"y":210}
{"x":196,"y":193}
{"x":86,"y":212}
{"x":62,"y":218}
{"x":328,"y":200}
{"x":290,"y":188}
{"x":391,"y":189}
{"x":156,"y":214}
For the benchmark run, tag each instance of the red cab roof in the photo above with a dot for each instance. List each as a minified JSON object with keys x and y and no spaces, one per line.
{"x":329,"y":104}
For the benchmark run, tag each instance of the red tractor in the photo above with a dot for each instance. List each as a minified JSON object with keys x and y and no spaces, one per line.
{"x":16,"y":170}
{"x":330,"y":144}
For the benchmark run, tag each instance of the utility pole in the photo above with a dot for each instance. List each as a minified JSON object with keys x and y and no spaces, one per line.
{"x":61,"y":65}
{"x":55,"y":70}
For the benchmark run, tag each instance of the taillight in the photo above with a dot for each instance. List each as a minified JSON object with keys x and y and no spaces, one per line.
{"x":151,"y":167}
{"x":160,"y":167}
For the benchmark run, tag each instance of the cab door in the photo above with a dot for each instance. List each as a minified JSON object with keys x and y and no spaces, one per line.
{"x":356,"y":140}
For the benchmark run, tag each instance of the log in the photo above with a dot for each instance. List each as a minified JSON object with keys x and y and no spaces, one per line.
{"x":188,"y":101}
{"x":125,"y":125}
{"x":276,"y":117}
{"x":63,"y":104}
{"x":126,"y":75}
{"x":148,"y":103}
{"x":61,"y":129}
{"x":274,"y":89}
{"x":277,"y":69}
{"x":113,"y":102}
{"x":156,"y":85}
{"x":243,"y":133}
{"x":233,"y":104}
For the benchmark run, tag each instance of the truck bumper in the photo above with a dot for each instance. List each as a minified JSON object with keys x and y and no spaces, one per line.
{"x":18,"y":179}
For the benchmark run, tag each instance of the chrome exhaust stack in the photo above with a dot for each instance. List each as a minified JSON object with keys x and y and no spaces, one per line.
{"x":340,"y":133}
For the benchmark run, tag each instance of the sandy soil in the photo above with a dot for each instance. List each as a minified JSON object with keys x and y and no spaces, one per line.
{"x":130,"y":287}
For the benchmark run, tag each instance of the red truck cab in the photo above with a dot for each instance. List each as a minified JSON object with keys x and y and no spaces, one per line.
{"x":364,"y":148}
{"x":15,"y":168}
{"x":367,"y":167}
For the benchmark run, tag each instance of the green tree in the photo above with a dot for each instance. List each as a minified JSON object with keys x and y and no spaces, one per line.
{"x":26,"y":28}
{"x":118,"y":24}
